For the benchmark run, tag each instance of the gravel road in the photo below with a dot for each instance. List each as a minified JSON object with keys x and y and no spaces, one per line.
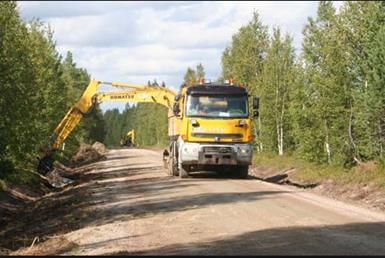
{"x":138,"y":209}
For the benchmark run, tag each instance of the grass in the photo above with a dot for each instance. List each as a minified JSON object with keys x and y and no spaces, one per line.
{"x":364,"y":174}
{"x":3,"y":185}
{"x":21,"y":177}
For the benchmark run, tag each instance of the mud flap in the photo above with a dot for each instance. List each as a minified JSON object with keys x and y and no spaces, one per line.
{"x":166,"y":157}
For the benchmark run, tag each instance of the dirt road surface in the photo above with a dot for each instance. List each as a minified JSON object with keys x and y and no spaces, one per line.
{"x":131,"y":206}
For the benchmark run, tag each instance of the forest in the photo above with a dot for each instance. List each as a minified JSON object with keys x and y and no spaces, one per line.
{"x":38,"y":86}
{"x":148,"y":120}
{"x":323,"y":103}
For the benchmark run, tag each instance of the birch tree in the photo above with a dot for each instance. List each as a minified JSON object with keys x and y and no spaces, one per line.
{"x":363,"y":25}
{"x":327,"y":88}
{"x":277,"y":79}
{"x":243,"y":61}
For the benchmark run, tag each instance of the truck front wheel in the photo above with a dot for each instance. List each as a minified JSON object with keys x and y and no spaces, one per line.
{"x":173,"y":167}
{"x":173,"y":161}
{"x":243,"y":171}
{"x":183,"y":172}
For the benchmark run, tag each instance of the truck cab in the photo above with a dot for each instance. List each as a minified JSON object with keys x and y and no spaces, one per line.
{"x":211,"y":130}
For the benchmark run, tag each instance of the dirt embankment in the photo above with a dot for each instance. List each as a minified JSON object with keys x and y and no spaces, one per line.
{"x":364,"y":194}
{"x":17,"y":202}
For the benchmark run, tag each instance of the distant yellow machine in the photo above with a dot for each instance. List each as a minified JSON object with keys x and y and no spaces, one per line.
{"x":128,"y":139}
{"x":209,"y":124}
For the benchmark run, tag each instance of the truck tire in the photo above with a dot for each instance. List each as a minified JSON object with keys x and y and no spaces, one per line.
{"x":243,"y":171}
{"x":172,"y":167}
{"x":183,"y":172}
{"x":169,"y":166}
{"x":173,"y":161}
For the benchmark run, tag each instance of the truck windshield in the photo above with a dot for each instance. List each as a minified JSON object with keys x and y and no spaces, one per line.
{"x":217,"y":106}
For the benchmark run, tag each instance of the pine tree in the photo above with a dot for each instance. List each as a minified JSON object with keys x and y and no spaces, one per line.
{"x":200,"y":72}
{"x":190,"y":76}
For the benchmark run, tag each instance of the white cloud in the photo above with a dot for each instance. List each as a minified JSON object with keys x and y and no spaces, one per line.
{"x":140,"y":41}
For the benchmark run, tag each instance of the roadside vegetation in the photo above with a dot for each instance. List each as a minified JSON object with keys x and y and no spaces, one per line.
{"x":322,"y":106}
{"x":37,"y":88}
{"x":305,"y":172}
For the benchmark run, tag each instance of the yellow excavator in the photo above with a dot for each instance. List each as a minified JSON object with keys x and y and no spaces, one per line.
{"x":209,"y":124}
{"x":128,"y":139}
{"x":90,"y":97}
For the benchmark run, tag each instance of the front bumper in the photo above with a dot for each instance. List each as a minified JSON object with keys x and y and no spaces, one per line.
{"x":215,"y":154}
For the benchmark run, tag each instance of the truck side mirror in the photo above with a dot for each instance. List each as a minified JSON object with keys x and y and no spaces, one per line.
{"x":256,"y":106}
{"x":175,"y":108}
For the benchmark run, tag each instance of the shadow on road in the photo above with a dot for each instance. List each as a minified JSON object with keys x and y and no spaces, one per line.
{"x":349,"y":239}
{"x":112,"y":194}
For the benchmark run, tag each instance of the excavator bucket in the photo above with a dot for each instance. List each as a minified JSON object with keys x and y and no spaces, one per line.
{"x":45,"y":161}
{"x":45,"y":164}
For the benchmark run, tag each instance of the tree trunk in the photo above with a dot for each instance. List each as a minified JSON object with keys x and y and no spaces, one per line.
{"x":327,"y":146}
{"x":356,"y":157}
{"x":278,"y":138}
{"x":260,"y":133}
{"x":281,"y":125}
{"x":281,"y":135}
{"x":277,"y":123}
{"x":381,"y":140}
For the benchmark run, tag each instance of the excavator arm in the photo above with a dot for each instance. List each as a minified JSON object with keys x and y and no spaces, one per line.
{"x":135,"y":93}
{"x":147,"y":94}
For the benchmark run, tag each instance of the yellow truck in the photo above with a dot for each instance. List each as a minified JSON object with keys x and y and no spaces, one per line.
{"x":210,"y":124}
{"x":211,"y":129}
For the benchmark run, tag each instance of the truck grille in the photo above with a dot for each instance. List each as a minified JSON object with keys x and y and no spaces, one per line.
{"x":213,"y":135}
{"x":217,"y":149}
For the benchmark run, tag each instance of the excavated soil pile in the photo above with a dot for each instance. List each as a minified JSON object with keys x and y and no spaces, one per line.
{"x":63,"y":175}
{"x":99,"y":147}
{"x":19,"y":203}
{"x":57,"y":179}
{"x":51,"y":247}
{"x":87,"y":154}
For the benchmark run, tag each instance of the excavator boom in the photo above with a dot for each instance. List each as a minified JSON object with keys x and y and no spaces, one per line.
{"x":134,"y":93}
{"x":148,"y":94}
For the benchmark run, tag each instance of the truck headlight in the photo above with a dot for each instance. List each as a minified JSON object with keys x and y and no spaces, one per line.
{"x":244,"y":150}
{"x":190,"y":149}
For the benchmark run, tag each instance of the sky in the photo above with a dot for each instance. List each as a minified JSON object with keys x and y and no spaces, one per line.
{"x":140,"y":41}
